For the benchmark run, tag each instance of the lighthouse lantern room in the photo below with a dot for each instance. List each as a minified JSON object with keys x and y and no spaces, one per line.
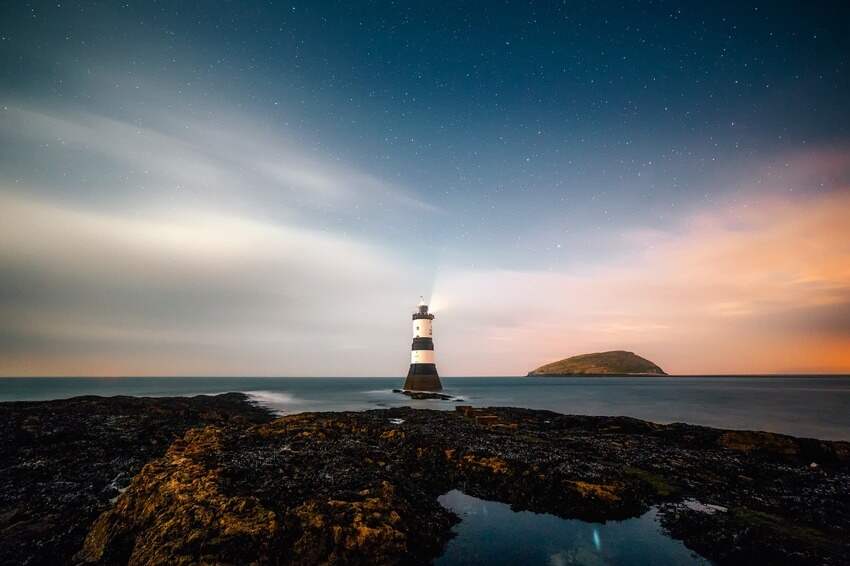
{"x":423,"y":371}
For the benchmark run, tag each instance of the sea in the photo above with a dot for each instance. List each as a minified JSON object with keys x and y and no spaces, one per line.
{"x":808,"y":406}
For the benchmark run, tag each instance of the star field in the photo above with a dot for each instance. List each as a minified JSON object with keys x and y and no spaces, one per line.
{"x":447,"y":138}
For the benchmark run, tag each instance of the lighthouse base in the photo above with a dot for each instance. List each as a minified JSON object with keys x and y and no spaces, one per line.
{"x":423,"y":377}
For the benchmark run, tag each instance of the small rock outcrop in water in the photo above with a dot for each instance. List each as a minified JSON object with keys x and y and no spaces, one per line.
{"x":617,"y":362}
{"x":423,"y":395}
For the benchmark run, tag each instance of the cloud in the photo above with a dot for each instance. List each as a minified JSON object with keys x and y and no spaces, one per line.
{"x":764,"y":288}
{"x":172,"y":245}
{"x":209,"y":293}
{"x":758,"y":289}
{"x":168,"y":244}
{"x":228,"y":161}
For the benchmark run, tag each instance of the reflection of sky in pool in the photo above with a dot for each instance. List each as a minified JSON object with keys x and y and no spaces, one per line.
{"x":490,"y":533}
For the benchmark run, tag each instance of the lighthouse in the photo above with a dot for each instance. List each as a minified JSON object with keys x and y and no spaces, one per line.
{"x":423,"y":371}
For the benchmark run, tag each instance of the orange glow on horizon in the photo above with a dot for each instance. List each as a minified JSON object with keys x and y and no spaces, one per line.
{"x":762,"y":289}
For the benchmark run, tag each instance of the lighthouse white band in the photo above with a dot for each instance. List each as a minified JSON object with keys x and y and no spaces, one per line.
{"x":422,"y":328}
{"x":422,"y":357}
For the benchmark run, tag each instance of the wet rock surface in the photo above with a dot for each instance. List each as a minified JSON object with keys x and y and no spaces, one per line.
{"x":63,"y":462}
{"x":362,"y":487}
{"x":351,"y":488}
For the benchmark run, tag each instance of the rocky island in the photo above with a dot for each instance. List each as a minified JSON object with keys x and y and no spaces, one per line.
{"x":616,"y":362}
{"x":216,"y":480}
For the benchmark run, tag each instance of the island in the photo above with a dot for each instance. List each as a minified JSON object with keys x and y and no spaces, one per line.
{"x":218,"y":480}
{"x":613,"y":363}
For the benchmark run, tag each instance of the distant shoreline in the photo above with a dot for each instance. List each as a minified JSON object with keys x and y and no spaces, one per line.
{"x":692,"y":375}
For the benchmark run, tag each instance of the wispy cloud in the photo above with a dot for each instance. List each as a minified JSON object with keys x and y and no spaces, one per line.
{"x":183,"y":246}
{"x":88,"y":293}
{"x":173,"y":245}
{"x":226,"y":160}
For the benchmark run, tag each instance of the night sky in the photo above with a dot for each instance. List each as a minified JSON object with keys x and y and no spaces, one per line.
{"x":266,"y":189}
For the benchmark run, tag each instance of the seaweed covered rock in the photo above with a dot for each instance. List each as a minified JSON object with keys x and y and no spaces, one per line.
{"x":63,"y":462}
{"x":176,"y":512}
{"x":298,"y":491}
{"x":362,"y":488}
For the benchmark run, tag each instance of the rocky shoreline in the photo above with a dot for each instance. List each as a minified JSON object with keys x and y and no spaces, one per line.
{"x":62,"y":463}
{"x":217,"y":480}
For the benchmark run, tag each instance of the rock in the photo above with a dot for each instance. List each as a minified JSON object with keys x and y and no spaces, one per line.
{"x":617,"y":362}
{"x":362,"y":487}
{"x":64,"y":462}
{"x":423,"y":395}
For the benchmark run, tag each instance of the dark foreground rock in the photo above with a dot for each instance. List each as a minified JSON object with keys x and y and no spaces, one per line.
{"x":358,"y":488}
{"x":62,"y":462}
{"x":361,"y":488}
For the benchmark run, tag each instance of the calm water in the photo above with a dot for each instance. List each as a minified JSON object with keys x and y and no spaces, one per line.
{"x":491,"y":533}
{"x":804,"y":406}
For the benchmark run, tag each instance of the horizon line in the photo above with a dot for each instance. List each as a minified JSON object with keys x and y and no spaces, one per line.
{"x":671,"y":375}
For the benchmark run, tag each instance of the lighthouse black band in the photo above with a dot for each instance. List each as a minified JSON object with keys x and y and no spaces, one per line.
{"x":419,"y":315}
{"x":421,"y":369}
{"x":422,"y":344}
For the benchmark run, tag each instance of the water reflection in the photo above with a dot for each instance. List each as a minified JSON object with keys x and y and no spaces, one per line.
{"x":491,"y":533}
